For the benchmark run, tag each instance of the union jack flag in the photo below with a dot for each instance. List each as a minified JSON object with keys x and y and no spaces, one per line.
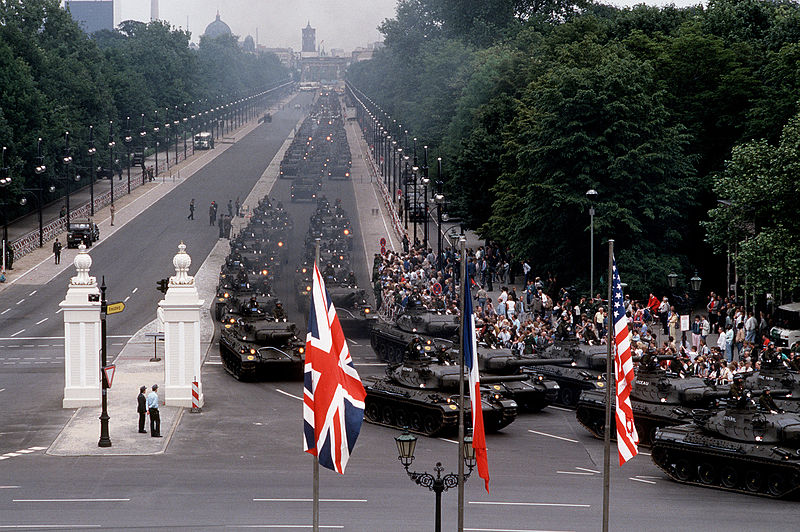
{"x":333,"y":398}
{"x":627,"y":437}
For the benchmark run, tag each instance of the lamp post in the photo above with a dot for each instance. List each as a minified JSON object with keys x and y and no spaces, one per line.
{"x":5,"y":180}
{"x":404,"y":181}
{"x":425,"y":182}
{"x":439,"y":199}
{"x":127,"y":139}
{"x":91,"y":152}
{"x":591,"y":195}
{"x":406,"y":443}
{"x":105,"y":440}
{"x":66,"y":159}
{"x":111,"y":145}
{"x":38,"y":197}
{"x":166,"y":144}
{"x":40,"y":169}
{"x":414,"y":203}
{"x":175,"y":124}
{"x":142,"y":135}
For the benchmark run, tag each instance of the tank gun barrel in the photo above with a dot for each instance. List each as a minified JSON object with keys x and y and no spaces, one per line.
{"x":493,"y":379}
{"x":548,"y":361}
{"x":502,"y":362}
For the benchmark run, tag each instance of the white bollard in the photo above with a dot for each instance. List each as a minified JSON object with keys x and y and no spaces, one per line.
{"x":82,"y":336}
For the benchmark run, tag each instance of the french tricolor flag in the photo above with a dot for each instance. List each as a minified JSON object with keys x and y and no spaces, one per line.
{"x":471,"y":366}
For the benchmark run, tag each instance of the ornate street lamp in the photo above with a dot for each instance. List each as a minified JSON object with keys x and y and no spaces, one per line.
{"x":66,"y":160}
{"x":591,"y":195}
{"x":672,"y":280}
{"x":111,"y":145}
{"x":406,"y":444}
{"x":127,"y":139}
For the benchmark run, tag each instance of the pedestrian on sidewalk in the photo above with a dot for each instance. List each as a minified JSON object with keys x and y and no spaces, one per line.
{"x":238,"y":205}
{"x":221,"y":225}
{"x":57,"y":251}
{"x":230,"y":208}
{"x":191,"y":210}
{"x":228,"y":226}
{"x":113,"y":211}
{"x":63,"y":211}
{"x":141,"y":409}
{"x":9,"y":257}
{"x":152,"y":409}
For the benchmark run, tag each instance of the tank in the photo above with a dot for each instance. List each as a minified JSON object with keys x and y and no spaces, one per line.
{"x":389,"y":339}
{"x":737,"y":448}
{"x":253,"y":346}
{"x":774,"y":374}
{"x":576,"y":367}
{"x":531,"y":394}
{"x":659,"y":398}
{"x":422,"y":395}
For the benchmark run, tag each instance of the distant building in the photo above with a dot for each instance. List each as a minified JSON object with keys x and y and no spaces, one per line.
{"x":92,"y":15}
{"x":309,"y":39}
{"x":217,"y":28}
{"x":286,"y":56}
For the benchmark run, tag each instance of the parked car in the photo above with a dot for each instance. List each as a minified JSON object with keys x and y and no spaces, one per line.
{"x":82,"y":230}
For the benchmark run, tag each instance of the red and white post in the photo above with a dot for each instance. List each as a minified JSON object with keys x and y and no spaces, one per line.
{"x":195,"y":397}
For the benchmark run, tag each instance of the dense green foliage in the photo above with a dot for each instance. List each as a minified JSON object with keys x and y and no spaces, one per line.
{"x":55,"y":78}
{"x":530,"y":104}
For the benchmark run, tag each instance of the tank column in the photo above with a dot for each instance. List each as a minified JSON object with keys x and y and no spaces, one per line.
{"x":81,"y":336}
{"x":180,"y":309}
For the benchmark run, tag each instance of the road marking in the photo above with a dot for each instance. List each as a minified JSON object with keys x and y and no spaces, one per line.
{"x":555,"y":504}
{"x":70,"y":500}
{"x":283,"y":526}
{"x":58,"y":337}
{"x":369,"y":363}
{"x":353,"y":342}
{"x":18,"y":332}
{"x":552,"y":436}
{"x":60,"y":527}
{"x":20,"y":301}
{"x":2,"y":389}
{"x":32,"y":293}
{"x":10,"y":455}
{"x":309,"y":500}
{"x":511,"y":530}
{"x":6,"y":310}
{"x":448,"y":441}
{"x":575,"y":473}
{"x":25,"y":451}
{"x":42,"y":321}
{"x":290,"y":395}
{"x":589,"y":470}
{"x":641,"y":480}
{"x":4,"y":457}
{"x":126,"y":299}
{"x":38,"y":448}
{"x":134,"y":290}
{"x":559,"y":408}
{"x":117,"y":344}
{"x":213,"y":362}
{"x":59,"y":310}
{"x":8,"y":487}
{"x":647,"y":476}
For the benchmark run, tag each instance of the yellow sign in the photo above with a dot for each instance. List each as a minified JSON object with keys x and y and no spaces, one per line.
{"x":115,"y":308}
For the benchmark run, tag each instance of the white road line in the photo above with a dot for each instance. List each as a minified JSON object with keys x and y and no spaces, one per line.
{"x":59,"y":527}
{"x":552,"y":436}
{"x":134,"y":290}
{"x":38,"y":448}
{"x":10,"y":455}
{"x":117,"y":344}
{"x":512,"y":530}
{"x":18,"y":332}
{"x":20,"y":301}
{"x":2,"y":389}
{"x":581,"y":473}
{"x":42,"y":321}
{"x":309,"y":500}
{"x":4,"y":457}
{"x":353,"y":342}
{"x":560,"y":408}
{"x":589,"y":470}
{"x":369,"y":363}
{"x":70,"y":500}
{"x":290,"y":395}
{"x":32,"y":293}
{"x":555,"y":504}
{"x":448,"y":441}
{"x":644,"y":453}
{"x":8,"y":487}
{"x":284,"y":527}
{"x":213,"y":363}
{"x":59,"y":310}
{"x":57,"y":337}
{"x":25,"y":451}
{"x":6,"y":310}
{"x":641,"y":480}
{"x":647,"y":476}
{"x":126,"y":299}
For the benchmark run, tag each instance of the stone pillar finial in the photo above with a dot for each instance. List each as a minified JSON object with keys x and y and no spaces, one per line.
{"x":83,"y":262}
{"x":182,"y":261}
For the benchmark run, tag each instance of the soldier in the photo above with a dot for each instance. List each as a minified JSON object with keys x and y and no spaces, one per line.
{"x":278,"y":312}
{"x":768,"y":403}
{"x":351,"y":279}
{"x":736,"y":391}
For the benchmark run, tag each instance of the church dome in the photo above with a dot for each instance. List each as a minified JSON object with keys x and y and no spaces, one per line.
{"x":217,"y":28}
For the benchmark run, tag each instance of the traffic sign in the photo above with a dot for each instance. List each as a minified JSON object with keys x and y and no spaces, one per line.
{"x":109,"y":371}
{"x":437,"y":288}
{"x":383,"y":250}
{"x":383,"y":242}
{"x":115,"y":308}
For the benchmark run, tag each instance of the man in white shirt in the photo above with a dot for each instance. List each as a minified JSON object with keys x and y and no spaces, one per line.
{"x":750,"y":327}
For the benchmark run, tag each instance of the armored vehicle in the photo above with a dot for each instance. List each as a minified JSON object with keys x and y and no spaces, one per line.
{"x":659,"y":398}
{"x":531,"y":394}
{"x":775,"y":374}
{"x":738,"y":448}
{"x":389,"y":339}
{"x":85,"y":231}
{"x":304,"y":190}
{"x":253,"y":346}
{"x":422,"y":394}
{"x":574,"y":366}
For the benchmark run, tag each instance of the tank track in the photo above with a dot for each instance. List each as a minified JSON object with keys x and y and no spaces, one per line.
{"x":391,"y":410}
{"x":593,"y":419}
{"x":727,"y":468}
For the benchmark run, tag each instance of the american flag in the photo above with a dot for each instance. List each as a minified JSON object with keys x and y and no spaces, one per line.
{"x":471,"y":365}
{"x":333,"y":398}
{"x":627,"y":438}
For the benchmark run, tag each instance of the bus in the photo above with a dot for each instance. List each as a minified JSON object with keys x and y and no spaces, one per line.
{"x":203,"y":141}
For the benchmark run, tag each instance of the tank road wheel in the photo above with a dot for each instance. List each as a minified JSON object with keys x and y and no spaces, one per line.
{"x":429,"y":424}
{"x":387,"y":415}
{"x":707,"y":473}
{"x":776,"y":484}
{"x":683,"y":470}
{"x":373,"y":412}
{"x":729,"y":477}
{"x":373,"y":341}
{"x":401,"y":418}
{"x":753,"y":480}
{"x":415,"y":421}
{"x":568,"y":397}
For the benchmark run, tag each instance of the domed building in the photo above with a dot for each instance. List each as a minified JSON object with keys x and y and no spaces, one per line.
{"x":217,"y":28}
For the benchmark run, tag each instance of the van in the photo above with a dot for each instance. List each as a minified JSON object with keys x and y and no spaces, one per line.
{"x":786,"y":331}
{"x":203,"y":141}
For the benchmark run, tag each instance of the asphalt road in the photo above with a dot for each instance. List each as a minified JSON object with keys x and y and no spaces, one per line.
{"x":239,"y":463}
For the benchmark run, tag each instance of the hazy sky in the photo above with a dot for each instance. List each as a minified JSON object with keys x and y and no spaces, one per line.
{"x":339,"y":23}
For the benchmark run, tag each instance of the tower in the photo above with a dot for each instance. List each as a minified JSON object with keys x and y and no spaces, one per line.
{"x":309,"y":39}
{"x":153,"y":10}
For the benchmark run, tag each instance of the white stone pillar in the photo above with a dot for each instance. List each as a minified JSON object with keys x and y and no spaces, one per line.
{"x":81,"y":337}
{"x":180,"y":309}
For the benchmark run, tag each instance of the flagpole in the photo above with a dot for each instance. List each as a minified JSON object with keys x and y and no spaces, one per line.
{"x":464,"y":292}
{"x":610,"y":382}
{"x":315,"y":504}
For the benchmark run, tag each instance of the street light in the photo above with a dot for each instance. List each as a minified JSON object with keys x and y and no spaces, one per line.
{"x":91,"y":152}
{"x":415,"y":214}
{"x":672,"y":280}
{"x":66,"y":160}
{"x":111,"y":145}
{"x":696,"y":281}
{"x":5,"y":180}
{"x":425,"y":182}
{"x":127,"y":139}
{"x":439,"y":200}
{"x":406,"y":443}
{"x":38,"y":198}
{"x":591,"y":195}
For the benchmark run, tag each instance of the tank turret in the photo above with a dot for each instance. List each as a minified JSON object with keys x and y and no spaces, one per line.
{"x":255,"y":346}
{"x":389,"y":338}
{"x":740,"y":448}
{"x":574,"y":366}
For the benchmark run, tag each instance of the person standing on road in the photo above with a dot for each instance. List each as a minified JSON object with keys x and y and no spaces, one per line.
{"x":238,"y":206}
{"x":57,"y":251}
{"x":191,"y":210}
{"x":152,"y":408}
{"x":221,"y":225}
{"x":113,"y":211}
{"x":141,"y":409}
{"x":212,"y":213}
{"x":230,"y":208}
